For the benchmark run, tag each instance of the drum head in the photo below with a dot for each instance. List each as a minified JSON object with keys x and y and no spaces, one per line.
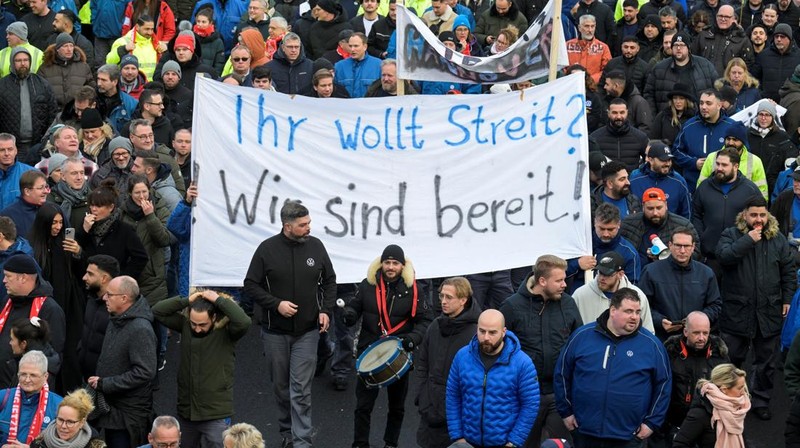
{"x":378,"y":355}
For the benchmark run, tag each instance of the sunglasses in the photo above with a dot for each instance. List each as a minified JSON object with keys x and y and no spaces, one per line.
{"x":240,"y":59}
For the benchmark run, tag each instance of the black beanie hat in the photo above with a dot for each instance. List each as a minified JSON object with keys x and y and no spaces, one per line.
{"x":393,"y":252}
{"x":22,"y":264}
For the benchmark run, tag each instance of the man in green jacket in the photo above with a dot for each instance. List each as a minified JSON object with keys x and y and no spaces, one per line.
{"x":210,"y":326}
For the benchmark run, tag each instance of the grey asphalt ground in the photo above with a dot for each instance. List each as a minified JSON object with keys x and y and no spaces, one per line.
{"x":333,"y":410}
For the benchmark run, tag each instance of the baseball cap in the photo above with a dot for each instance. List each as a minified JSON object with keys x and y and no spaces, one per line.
{"x":610,"y":263}
{"x":654,"y":194}
{"x":660,"y":151}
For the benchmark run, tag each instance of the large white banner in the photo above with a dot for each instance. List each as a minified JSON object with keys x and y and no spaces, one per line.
{"x":464,"y":183}
{"x":421,"y":56}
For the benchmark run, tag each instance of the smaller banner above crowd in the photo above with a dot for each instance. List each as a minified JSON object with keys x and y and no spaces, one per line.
{"x":422,"y":57}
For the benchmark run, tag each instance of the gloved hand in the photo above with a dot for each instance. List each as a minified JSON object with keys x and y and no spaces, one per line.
{"x":350,"y":316}
{"x":408,"y":344}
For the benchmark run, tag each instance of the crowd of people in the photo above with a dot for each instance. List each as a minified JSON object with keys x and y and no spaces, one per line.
{"x":693,"y":265}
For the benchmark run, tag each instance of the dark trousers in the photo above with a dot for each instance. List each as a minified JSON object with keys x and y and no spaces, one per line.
{"x":491,"y":289}
{"x":584,"y":441}
{"x":765,"y":353}
{"x":548,"y":424}
{"x":365,"y":402}
{"x":118,"y":438}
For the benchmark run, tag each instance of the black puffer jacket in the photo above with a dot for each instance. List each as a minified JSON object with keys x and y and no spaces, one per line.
{"x":773,"y":149}
{"x":720,"y":46}
{"x":400,"y":296}
{"x":43,"y":105}
{"x":542,"y":327}
{"x":324,"y":36}
{"x":635,"y":70}
{"x":688,"y":366}
{"x":665,"y":75}
{"x":757,"y":279}
{"x":625,"y":144}
{"x":773,"y":68}
{"x":444,"y":338}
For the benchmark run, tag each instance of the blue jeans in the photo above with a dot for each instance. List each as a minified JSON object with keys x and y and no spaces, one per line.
{"x":292,"y":361}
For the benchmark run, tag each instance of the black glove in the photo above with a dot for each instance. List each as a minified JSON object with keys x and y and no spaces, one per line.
{"x":350,"y":316}
{"x":408,"y":344}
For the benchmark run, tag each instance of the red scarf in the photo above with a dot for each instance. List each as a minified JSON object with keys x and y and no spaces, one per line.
{"x":203,"y":32}
{"x":383,"y":313}
{"x":36,"y":307}
{"x":38,"y":417}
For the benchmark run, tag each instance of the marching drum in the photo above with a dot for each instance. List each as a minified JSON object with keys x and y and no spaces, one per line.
{"x":383,"y":362}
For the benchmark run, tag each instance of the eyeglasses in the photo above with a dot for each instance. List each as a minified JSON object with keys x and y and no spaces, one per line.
{"x":29,"y":376}
{"x":156,"y":104}
{"x":682,"y":246}
{"x":149,"y":136}
{"x":41,"y":188}
{"x":68,"y":423}
{"x":240,"y":59}
{"x":168,"y":445}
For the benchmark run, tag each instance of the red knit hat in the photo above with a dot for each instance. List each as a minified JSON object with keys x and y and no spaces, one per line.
{"x":185,"y":40}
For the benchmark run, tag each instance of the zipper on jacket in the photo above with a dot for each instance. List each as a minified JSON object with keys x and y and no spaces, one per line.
{"x":483,"y":401}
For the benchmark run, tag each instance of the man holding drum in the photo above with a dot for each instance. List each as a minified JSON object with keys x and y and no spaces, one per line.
{"x":388,"y":300}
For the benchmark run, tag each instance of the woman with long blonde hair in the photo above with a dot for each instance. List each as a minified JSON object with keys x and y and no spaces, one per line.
{"x":746,"y":86}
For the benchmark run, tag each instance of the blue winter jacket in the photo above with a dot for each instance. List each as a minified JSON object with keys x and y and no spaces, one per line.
{"x":226,"y":18}
{"x":22,"y":213}
{"x":9,"y":183}
{"x":674,"y":291}
{"x":27,"y":410}
{"x":107,"y":17}
{"x":613,"y":385}
{"x":783,"y":183}
{"x":697,"y":140}
{"x":494,"y":407}
{"x":180,"y":225}
{"x":6,"y":18}
{"x":21,"y":246}
{"x":633,"y":262}
{"x":356,"y":76}
{"x":679,"y":198}
{"x":122,"y":114}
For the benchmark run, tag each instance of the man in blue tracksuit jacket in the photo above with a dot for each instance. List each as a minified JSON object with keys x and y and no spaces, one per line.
{"x":613,"y":379}
{"x":492,"y":390}
{"x":700,"y":136}
{"x":658,"y":172}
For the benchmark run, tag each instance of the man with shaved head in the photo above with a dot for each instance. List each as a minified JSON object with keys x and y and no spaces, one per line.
{"x":692,"y":355}
{"x":492,"y":389}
